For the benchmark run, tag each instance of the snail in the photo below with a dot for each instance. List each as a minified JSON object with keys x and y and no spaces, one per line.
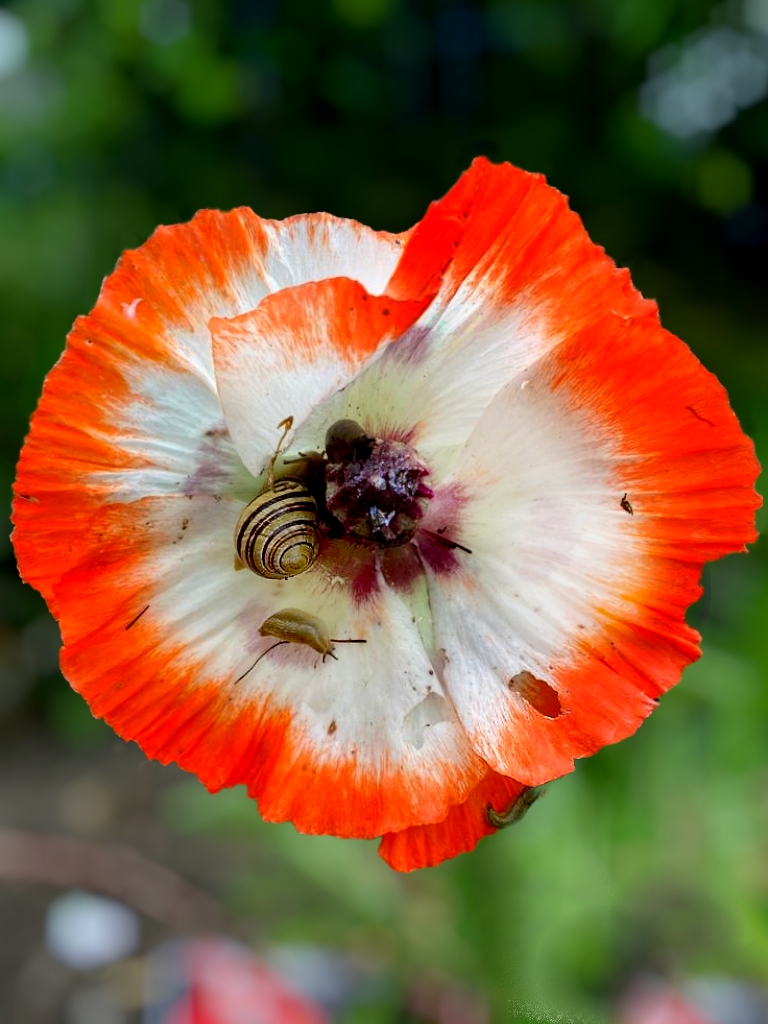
{"x":346,"y":441}
{"x":277,"y":533}
{"x":513,"y":814}
{"x":293,"y":626}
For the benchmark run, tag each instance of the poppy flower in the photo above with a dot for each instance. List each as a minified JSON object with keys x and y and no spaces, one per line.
{"x":504,"y":478}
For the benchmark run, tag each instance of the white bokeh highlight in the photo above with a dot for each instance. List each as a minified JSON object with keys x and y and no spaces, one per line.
{"x":698,"y":86}
{"x":14,"y":44}
{"x":84,"y":931}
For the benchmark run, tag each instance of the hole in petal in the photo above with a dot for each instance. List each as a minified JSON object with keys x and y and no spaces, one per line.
{"x":427,"y":713}
{"x":537,"y":693}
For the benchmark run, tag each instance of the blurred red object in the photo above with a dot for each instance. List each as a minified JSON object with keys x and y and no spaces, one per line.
{"x":217,"y":981}
{"x":440,"y":1001}
{"x":655,"y":1002}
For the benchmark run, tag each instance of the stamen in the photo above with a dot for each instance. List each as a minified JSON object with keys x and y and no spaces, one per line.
{"x":378,"y":498}
{"x":445,"y":541}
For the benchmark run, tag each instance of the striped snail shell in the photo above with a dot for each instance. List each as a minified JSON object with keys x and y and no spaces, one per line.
{"x":276,"y":535}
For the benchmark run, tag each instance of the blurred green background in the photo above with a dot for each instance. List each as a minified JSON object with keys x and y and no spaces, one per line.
{"x":118,"y":115}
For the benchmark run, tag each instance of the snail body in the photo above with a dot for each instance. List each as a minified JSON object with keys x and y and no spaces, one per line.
{"x":293,"y":626}
{"x":346,"y":441}
{"x":513,"y":814}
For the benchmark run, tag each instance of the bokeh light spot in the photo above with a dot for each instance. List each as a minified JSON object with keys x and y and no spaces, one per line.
{"x":699,"y":86}
{"x":755,"y":15}
{"x":84,"y":931}
{"x":723,"y":182}
{"x":14,"y":44}
{"x":363,"y":13}
{"x":165,"y":21}
{"x":523,"y":26}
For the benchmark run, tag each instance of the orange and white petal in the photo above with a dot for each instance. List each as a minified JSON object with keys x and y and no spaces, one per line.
{"x":510,"y":274}
{"x":131,"y":409}
{"x":424,"y":846}
{"x":313,"y":246}
{"x":161,"y":636}
{"x":296,"y":349}
{"x":590,"y":494}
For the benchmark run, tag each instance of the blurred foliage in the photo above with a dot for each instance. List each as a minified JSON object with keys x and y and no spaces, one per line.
{"x":117,"y":115}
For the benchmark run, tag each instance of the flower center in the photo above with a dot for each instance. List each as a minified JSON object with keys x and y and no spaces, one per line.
{"x":376,"y":490}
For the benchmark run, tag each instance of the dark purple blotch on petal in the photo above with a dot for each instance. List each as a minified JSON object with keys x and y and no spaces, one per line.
{"x":440,"y":557}
{"x":365,"y":582}
{"x":401,"y":566}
